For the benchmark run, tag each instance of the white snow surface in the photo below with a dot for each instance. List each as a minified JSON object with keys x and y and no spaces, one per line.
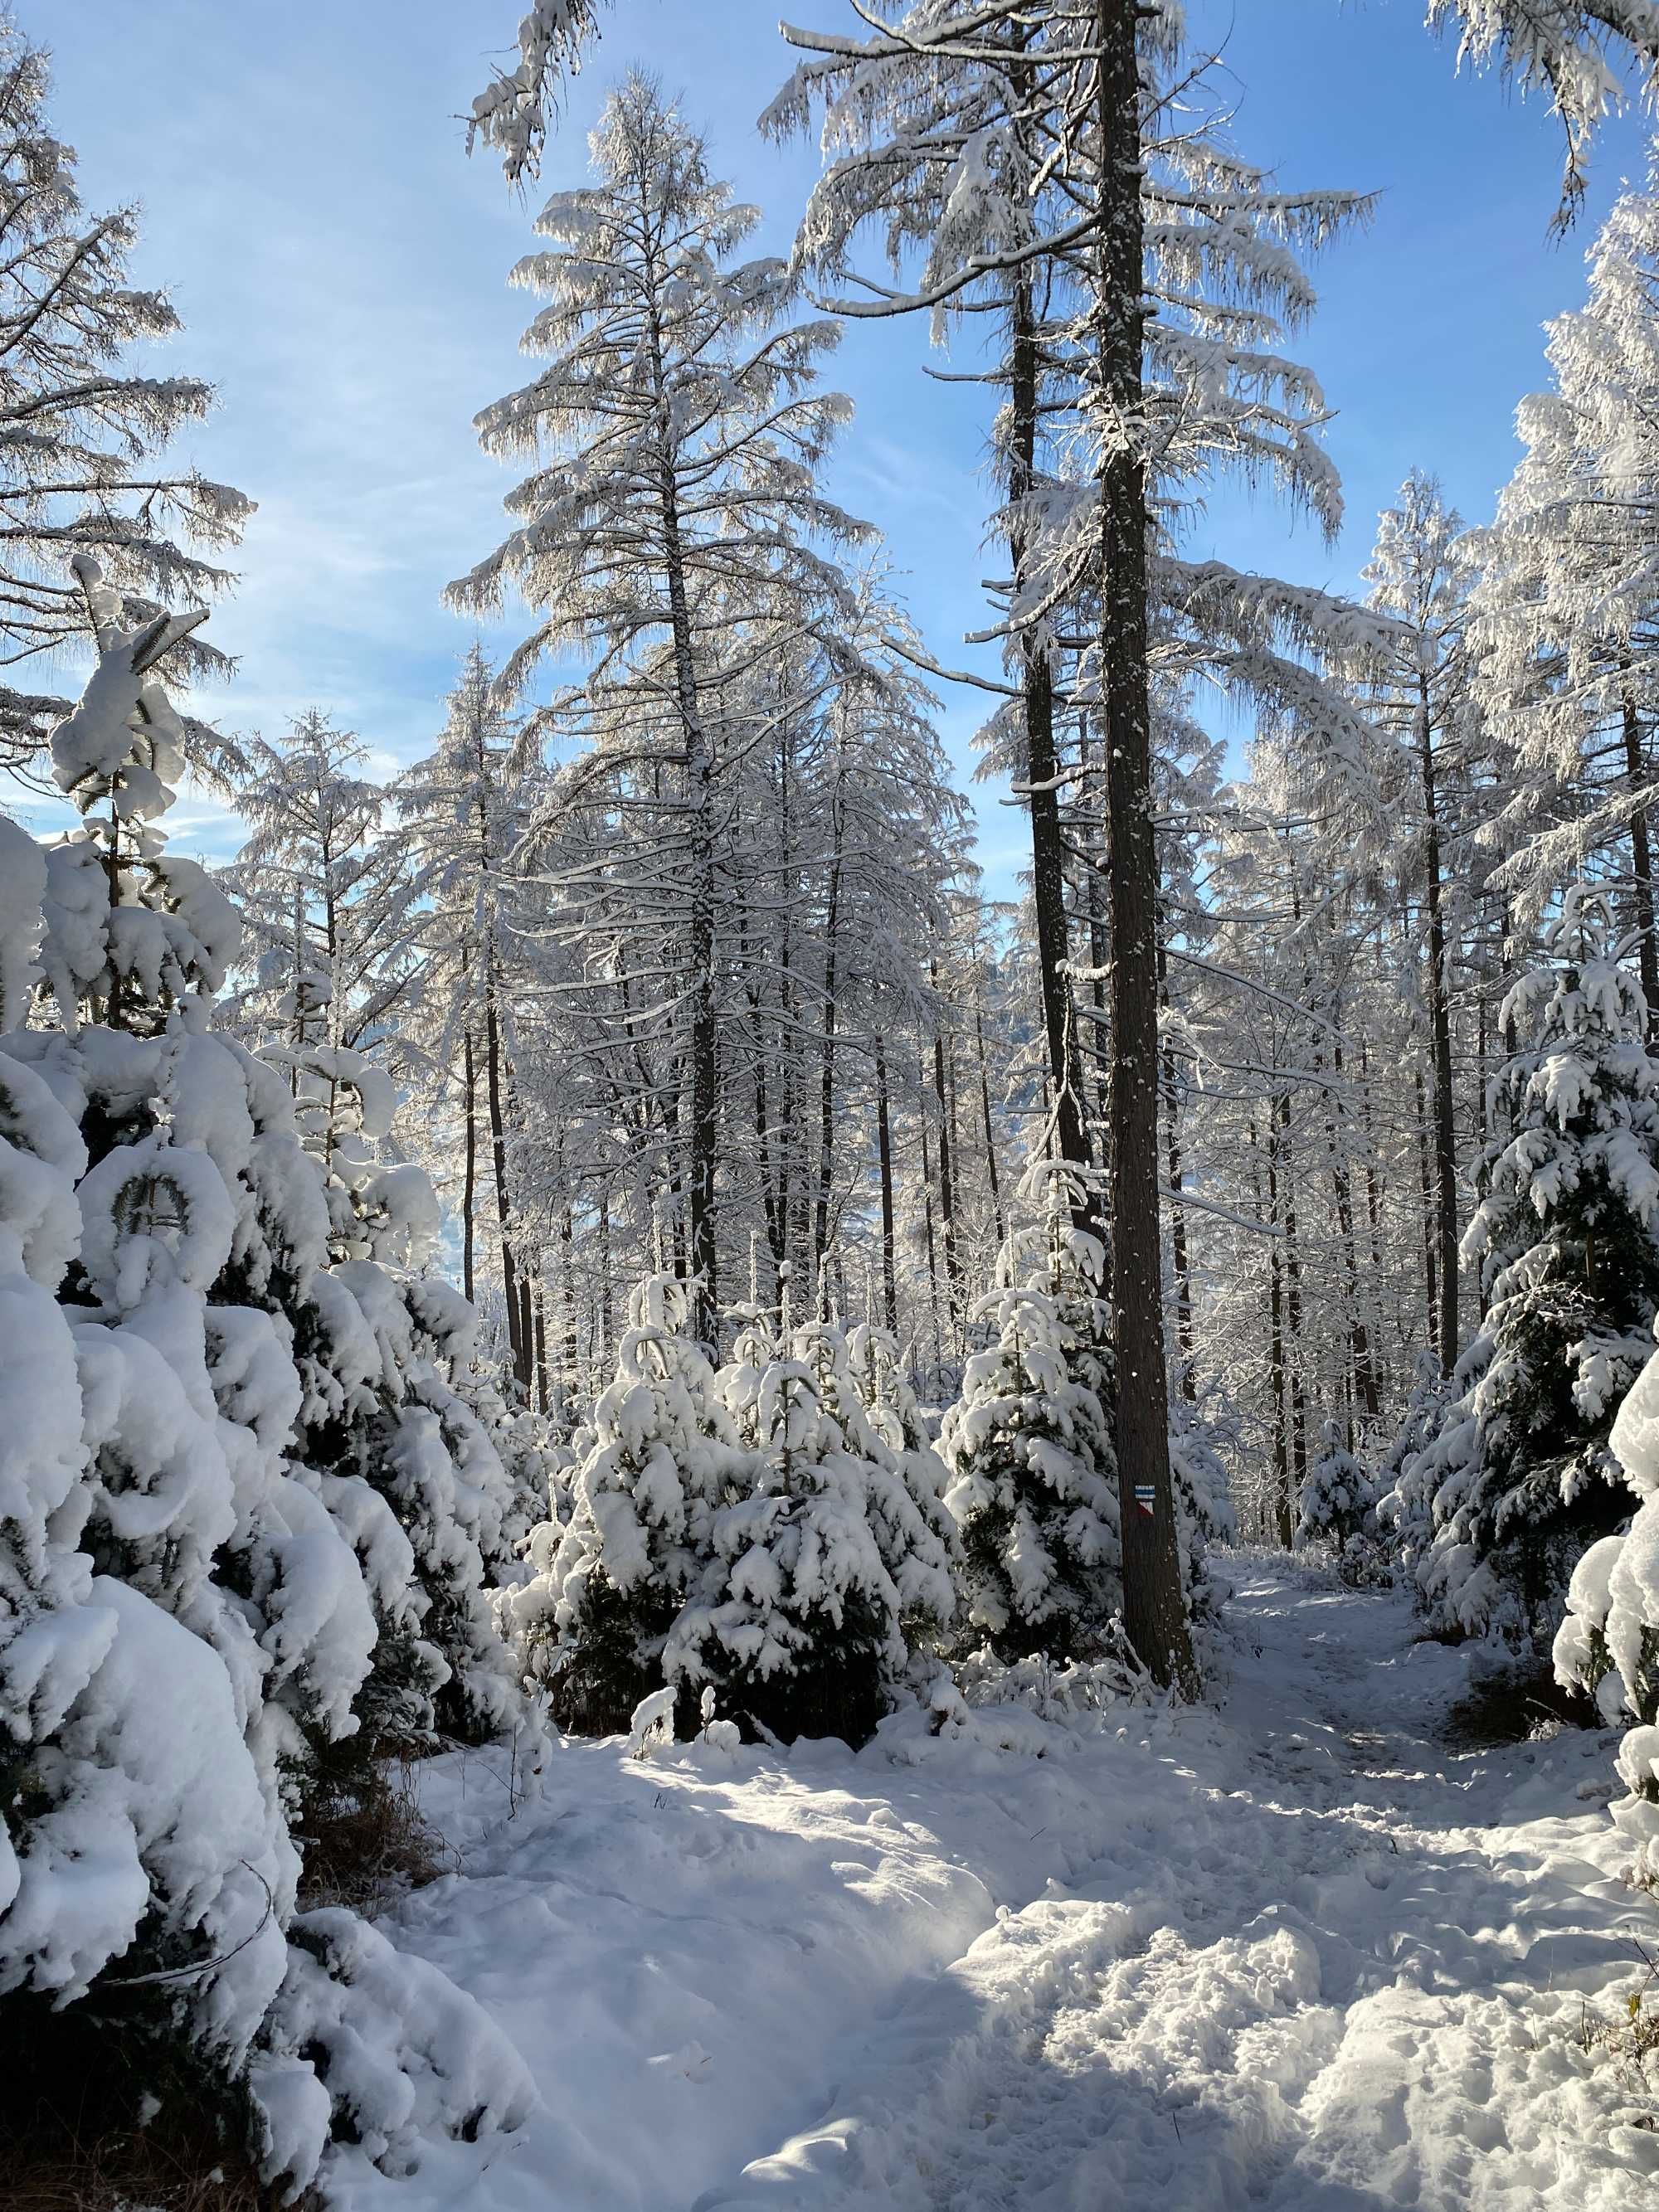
{"x":1297,"y":1952}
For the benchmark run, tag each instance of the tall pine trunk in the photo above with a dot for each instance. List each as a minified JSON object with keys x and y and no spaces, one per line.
{"x":704,"y":1132}
{"x":1154,"y":1604}
{"x":993,"y":1177}
{"x":1042,"y":768}
{"x":885,"y":1153}
{"x":1186,"y":1381}
{"x":517,"y":1349}
{"x":827,"y":1070}
{"x":1641,"y":854}
{"x":1445,"y":1142}
{"x":1430,"y":1248}
{"x":470,"y":1169}
{"x":947,"y":1196}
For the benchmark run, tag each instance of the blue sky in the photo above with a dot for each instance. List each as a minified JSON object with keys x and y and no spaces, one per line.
{"x":340,"y":268}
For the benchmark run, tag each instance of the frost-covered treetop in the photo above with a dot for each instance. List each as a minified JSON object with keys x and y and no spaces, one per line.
{"x":1066,"y":1257}
{"x":677,"y":425}
{"x":1421,"y":567}
{"x":1567,"y":647}
{"x":1576,"y":51}
{"x":511,"y":112}
{"x":1581,"y":1101}
{"x":130,"y":933}
{"x":1584,"y":996}
{"x":78,"y":433}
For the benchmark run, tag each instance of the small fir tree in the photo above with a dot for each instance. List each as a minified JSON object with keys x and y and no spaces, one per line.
{"x":795,"y":1625}
{"x":1029,"y":1445}
{"x":1336,"y":1512}
{"x":660,"y":1460}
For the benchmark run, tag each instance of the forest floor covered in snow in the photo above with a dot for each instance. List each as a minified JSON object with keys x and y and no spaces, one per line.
{"x":1295,"y":1948}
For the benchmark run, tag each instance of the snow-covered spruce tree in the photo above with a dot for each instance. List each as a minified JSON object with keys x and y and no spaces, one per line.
{"x":1521,"y":1476}
{"x":1336,"y":1497}
{"x":1336,"y":1511}
{"x":921,"y":1542}
{"x":916,"y":1536}
{"x":671,"y":528}
{"x":185,"y":1627}
{"x":1609,"y":1644}
{"x":795,"y":1623}
{"x":661,"y":1460}
{"x":80,"y":435}
{"x":1029,"y":1445}
{"x":385,"y":1352}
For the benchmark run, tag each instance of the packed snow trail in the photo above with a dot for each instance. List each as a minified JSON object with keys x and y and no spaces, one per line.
{"x":1296,"y":1953}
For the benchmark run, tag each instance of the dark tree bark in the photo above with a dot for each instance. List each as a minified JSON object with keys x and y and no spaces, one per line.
{"x":1359,"y":1345}
{"x":827,"y":1075}
{"x":1426,"y":1182}
{"x":947,"y":1205}
{"x":1641,"y":854}
{"x":1294,"y":1302}
{"x":469,"y":1170}
{"x":517,"y":1349}
{"x":1154,"y":1604}
{"x":1445,"y":1141}
{"x":993,"y":1176}
{"x":1186,"y":1381}
{"x":889,"y":1237}
{"x":1043,"y":768}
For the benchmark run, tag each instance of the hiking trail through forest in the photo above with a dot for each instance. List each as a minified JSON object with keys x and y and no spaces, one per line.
{"x":1296,"y":1950}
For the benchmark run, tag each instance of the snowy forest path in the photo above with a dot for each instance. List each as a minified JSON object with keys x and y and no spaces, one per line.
{"x":1345,"y":1971}
{"x":1291,"y":1949}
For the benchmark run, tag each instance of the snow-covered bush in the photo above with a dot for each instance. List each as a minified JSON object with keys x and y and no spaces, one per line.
{"x":1609,"y":1644}
{"x":795,"y":1622}
{"x":401,"y":2052}
{"x":1520,"y":1475}
{"x":1034,"y":1485}
{"x":661,"y":1459}
{"x":189,"y":1609}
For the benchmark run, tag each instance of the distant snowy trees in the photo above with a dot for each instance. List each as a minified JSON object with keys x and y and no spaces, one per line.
{"x":1564,"y":620}
{"x":670,"y":526}
{"x":738,"y":875}
{"x":467,"y":808}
